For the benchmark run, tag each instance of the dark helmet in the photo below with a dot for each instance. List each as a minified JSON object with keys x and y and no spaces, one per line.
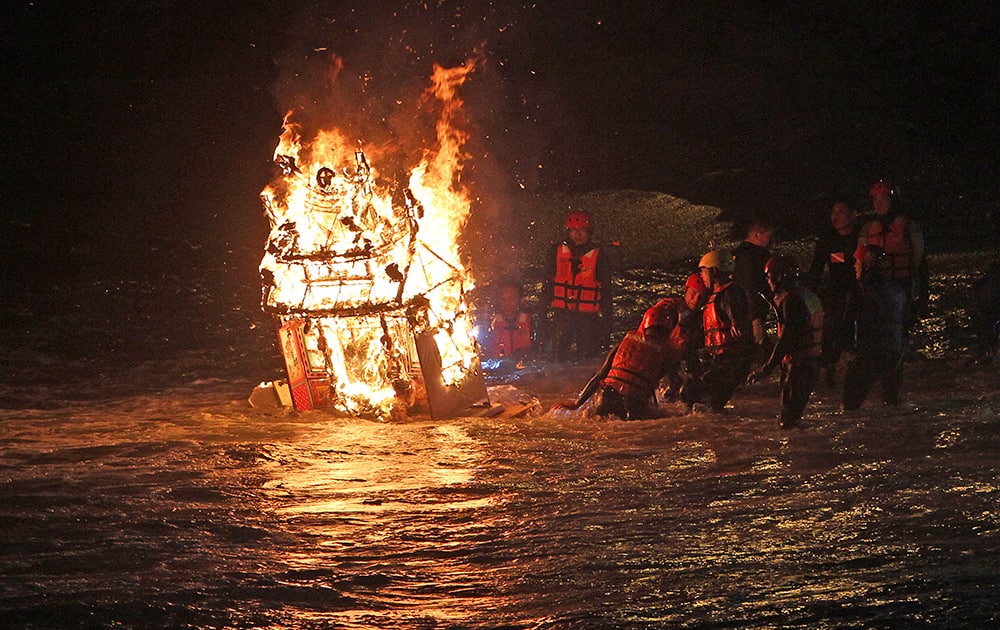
{"x":578,"y":220}
{"x":782,"y":269}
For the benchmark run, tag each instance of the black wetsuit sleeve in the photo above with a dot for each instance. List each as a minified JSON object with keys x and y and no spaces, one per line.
{"x":795,"y":317}
{"x":736,"y":307}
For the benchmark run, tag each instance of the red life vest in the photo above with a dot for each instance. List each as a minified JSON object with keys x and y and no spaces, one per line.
{"x":509,"y":336}
{"x":578,"y":291}
{"x":719,"y":335}
{"x":636,"y":367}
{"x":895,"y":242}
{"x":810,"y":344}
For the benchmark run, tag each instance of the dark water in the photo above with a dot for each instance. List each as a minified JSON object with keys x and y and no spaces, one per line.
{"x":138,"y":489}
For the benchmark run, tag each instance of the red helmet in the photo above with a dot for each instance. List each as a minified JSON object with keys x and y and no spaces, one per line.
{"x":782,"y":268}
{"x":880,"y":188}
{"x":578,"y":220}
{"x":663,"y":315}
{"x":695,"y":282}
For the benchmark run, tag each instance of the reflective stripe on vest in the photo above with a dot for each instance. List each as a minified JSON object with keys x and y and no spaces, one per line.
{"x":576,"y":287}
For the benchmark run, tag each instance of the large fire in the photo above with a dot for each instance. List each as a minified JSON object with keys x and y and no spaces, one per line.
{"x":364,"y":274}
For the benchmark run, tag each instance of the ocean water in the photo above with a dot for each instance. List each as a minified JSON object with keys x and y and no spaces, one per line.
{"x":139,"y":489}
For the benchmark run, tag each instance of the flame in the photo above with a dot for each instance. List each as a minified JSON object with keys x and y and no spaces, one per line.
{"x":357,"y":265}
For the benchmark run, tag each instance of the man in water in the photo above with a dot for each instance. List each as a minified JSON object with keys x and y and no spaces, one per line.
{"x":800,"y":339}
{"x":728,"y":336}
{"x":578,"y":292}
{"x":902,"y":241}
{"x":880,"y":330}
{"x":831,"y":276}
{"x":627,"y":380}
{"x":749,"y":259}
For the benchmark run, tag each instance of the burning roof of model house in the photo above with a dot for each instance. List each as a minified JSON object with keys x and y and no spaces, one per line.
{"x":364,"y":274}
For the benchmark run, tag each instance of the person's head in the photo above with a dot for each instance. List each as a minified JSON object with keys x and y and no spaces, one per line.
{"x":716,"y":267}
{"x":881,"y":193}
{"x":781,"y":271}
{"x":579,"y":225}
{"x":869,"y":258}
{"x":760,"y":233}
{"x":509,"y":296}
{"x":658,"y":321}
{"x":696,"y":292}
{"x":842,"y":216}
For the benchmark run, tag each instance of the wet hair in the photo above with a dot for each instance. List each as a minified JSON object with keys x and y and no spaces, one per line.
{"x":755,"y":223}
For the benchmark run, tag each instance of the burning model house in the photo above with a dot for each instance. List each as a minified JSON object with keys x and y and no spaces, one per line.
{"x":364,"y":276}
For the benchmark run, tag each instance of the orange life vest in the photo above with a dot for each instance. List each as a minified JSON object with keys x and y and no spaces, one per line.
{"x":636,"y":367}
{"x":895,"y":242}
{"x":810,"y":344}
{"x":719,"y":335}
{"x":509,"y":336}
{"x":579,"y":291}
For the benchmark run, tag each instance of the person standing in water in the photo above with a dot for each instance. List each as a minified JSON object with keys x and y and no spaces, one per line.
{"x":578,"y":292}
{"x":800,"y":339}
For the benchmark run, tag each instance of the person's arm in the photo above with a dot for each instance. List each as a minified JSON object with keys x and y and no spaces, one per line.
{"x":736,"y":306}
{"x":591,"y":387}
{"x":795,"y":314}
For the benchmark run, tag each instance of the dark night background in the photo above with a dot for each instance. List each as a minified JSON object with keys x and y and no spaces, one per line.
{"x":139,"y":134}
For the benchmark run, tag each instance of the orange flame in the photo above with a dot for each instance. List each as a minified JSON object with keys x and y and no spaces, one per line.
{"x":357,"y":266}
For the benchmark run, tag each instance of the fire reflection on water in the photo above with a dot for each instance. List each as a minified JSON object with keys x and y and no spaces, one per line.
{"x":362,"y":467}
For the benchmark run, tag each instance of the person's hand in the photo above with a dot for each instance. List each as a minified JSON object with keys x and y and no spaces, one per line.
{"x":566,"y":404}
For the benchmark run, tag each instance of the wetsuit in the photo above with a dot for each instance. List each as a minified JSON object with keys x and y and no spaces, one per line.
{"x":798,"y":350}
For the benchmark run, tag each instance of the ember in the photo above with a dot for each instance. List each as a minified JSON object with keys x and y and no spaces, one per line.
{"x":364,"y":275}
